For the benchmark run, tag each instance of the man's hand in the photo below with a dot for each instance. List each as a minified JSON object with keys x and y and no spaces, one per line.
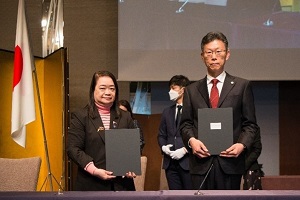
{"x":234,"y":151}
{"x":199,"y":149}
{"x":166,"y":149}
{"x":178,"y":153}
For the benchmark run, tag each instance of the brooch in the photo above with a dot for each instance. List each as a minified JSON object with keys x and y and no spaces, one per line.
{"x":101,"y":128}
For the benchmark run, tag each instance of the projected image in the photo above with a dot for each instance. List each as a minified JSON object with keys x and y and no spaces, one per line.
{"x":211,"y":2}
{"x":179,"y":23}
{"x":167,"y":33}
{"x":140,"y":97}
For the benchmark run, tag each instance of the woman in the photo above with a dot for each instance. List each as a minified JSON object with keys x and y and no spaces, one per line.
{"x":125,"y":105}
{"x":85,"y":140}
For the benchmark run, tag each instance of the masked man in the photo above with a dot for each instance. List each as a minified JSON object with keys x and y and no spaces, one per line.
{"x":176,"y":161}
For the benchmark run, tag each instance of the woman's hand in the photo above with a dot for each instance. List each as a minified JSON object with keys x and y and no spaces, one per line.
{"x":130,"y":175}
{"x":103,"y":174}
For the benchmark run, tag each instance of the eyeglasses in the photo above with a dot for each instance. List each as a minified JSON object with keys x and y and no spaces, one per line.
{"x":210,"y":53}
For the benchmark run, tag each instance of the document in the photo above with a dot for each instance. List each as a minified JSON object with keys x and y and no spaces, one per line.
{"x":215,"y":128}
{"x":122,"y":148}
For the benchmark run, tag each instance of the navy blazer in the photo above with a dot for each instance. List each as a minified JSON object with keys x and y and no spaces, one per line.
{"x":86,"y":143}
{"x":237,"y":94}
{"x":169,"y":134}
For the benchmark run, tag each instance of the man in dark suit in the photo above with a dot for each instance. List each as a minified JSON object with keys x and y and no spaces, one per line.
{"x":229,"y":91}
{"x":175,"y":162}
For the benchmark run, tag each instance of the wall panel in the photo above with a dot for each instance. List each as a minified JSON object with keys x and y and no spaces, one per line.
{"x":50,"y":72}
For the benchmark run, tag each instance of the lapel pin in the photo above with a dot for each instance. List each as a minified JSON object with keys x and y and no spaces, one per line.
{"x":232,"y":82}
{"x":101,"y":128}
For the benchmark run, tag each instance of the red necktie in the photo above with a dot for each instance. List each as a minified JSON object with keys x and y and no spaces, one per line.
{"x":214,"y":94}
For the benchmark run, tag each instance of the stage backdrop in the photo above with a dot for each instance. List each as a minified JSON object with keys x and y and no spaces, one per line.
{"x":52,"y":73}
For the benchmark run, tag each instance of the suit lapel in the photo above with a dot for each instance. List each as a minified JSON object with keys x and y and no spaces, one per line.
{"x":202,"y":88}
{"x":172,"y":115}
{"x":114,"y":119}
{"x":98,"y":124}
{"x":229,"y":83}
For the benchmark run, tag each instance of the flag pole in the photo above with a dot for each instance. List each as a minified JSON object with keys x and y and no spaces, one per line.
{"x":50,"y":175}
{"x":43,"y":130}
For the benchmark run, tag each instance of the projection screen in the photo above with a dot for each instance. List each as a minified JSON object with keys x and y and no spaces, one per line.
{"x":161,"y":38}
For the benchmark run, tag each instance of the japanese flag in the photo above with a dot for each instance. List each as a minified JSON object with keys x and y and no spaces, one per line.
{"x":23,"y":107}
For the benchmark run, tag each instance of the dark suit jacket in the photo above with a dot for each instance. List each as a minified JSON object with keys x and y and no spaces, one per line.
{"x":169,"y":134}
{"x":252,"y":155}
{"x":86,"y":143}
{"x":236,"y":93}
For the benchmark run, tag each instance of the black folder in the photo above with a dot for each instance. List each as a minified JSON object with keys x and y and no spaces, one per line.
{"x":122,"y":148}
{"x":215,"y":128}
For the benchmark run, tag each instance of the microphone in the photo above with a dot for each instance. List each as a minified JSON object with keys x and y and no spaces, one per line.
{"x":198,"y":192}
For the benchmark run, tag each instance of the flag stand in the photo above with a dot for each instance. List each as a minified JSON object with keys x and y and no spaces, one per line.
{"x":50,"y":175}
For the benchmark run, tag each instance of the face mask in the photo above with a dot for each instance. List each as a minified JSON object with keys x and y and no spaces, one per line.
{"x":173,"y":95}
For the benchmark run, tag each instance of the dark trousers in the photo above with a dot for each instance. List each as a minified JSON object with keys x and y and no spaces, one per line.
{"x":216,"y":179}
{"x":178,"y":178}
